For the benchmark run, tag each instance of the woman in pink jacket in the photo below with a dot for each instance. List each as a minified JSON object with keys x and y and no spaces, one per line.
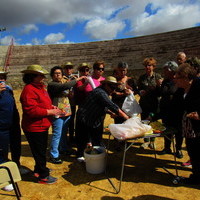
{"x":36,"y":120}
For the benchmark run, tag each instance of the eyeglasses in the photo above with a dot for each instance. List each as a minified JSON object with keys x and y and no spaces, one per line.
{"x":100,"y":69}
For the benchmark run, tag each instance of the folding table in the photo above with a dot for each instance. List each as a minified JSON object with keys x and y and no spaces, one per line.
{"x":128,"y":143}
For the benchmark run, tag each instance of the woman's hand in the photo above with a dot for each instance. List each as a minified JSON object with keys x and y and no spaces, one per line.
{"x":127,"y":92}
{"x":80,"y":78}
{"x":159,"y":82}
{"x":55,"y":112}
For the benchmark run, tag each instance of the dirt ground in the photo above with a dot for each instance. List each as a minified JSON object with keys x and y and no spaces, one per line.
{"x":144,"y":176}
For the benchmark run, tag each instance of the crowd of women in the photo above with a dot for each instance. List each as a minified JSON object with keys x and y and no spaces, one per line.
{"x":76,"y":106}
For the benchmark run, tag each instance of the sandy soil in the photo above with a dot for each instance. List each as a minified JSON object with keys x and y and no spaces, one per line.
{"x":144,"y":177}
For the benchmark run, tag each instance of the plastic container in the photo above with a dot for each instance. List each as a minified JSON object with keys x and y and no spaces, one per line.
{"x":95,"y":163}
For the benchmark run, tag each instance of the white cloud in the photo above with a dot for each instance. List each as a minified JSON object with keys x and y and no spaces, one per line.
{"x":54,"y":38}
{"x":171,"y":17}
{"x":36,"y":41}
{"x":103,"y":29}
{"x":29,"y":27}
{"x":104,"y":20}
{"x":68,"y":42}
{"x":6,"y":40}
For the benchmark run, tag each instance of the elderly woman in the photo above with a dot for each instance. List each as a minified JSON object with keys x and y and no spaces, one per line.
{"x":58,"y":91}
{"x":149,"y":87}
{"x":37,"y":112}
{"x":125,"y":87}
{"x":186,"y":78}
{"x":91,"y":114}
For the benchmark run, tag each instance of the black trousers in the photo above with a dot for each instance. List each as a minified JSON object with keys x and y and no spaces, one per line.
{"x":178,"y":139}
{"x":15,"y":143}
{"x":38,"y":143}
{"x":193,"y":148}
{"x":85,"y":134}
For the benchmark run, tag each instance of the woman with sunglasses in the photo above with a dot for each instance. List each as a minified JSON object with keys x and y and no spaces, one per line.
{"x":98,"y":70}
{"x":93,"y":81}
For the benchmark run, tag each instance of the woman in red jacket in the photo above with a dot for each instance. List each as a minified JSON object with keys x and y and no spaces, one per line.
{"x":36,"y":120}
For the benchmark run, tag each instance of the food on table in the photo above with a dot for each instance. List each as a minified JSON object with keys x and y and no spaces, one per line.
{"x":157,"y":127}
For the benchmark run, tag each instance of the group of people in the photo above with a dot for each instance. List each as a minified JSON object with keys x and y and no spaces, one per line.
{"x":174,"y":99}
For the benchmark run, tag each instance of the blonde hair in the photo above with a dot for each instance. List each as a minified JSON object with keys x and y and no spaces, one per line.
{"x":151,"y":61}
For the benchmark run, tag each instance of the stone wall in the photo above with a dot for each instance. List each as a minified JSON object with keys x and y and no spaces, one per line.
{"x":163,"y":47}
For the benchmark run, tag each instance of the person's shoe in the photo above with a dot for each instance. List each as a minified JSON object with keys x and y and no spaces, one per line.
{"x":152,"y":145}
{"x":145,"y":145}
{"x":165,"y":151}
{"x":179,"y":154}
{"x":47,"y":180}
{"x":56,"y":160}
{"x":36,"y":174}
{"x":81,"y":159}
{"x":8,"y":188}
{"x":187,"y":164}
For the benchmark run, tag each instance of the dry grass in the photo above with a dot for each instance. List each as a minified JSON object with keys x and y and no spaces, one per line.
{"x":144,"y":177}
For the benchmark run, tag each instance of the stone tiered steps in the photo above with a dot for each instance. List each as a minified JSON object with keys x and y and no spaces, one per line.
{"x":163,"y":47}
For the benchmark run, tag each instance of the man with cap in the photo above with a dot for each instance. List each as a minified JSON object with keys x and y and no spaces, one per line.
{"x":171,"y":109}
{"x":10,"y":132}
{"x":91,"y":114}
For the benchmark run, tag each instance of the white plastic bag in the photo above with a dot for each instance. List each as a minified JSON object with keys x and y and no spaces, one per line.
{"x":91,"y":82}
{"x":131,"y":128}
{"x":131,"y":106}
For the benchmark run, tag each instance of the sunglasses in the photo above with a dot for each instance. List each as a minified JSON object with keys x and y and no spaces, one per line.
{"x":100,"y":69}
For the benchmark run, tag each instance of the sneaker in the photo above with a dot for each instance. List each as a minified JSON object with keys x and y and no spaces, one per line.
{"x":145,"y":145}
{"x":8,"y":188}
{"x":56,"y":160}
{"x":187,"y":164}
{"x":47,"y":180}
{"x":165,"y":151}
{"x":179,"y":154}
{"x":36,"y":174}
{"x":81,"y":159}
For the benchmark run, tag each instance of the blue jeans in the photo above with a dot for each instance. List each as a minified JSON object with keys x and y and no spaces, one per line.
{"x":4,"y":145}
{"x":59,"y":136}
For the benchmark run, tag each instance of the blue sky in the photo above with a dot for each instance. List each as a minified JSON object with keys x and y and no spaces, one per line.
{"x":74,"y":21}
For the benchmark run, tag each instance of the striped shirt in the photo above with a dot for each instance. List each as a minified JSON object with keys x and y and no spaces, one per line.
{"x":93,"y":111}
